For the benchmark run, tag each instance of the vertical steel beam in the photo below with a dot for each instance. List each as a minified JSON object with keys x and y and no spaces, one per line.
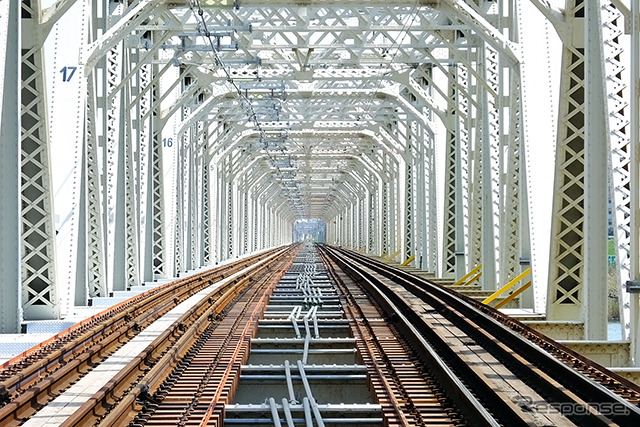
{"x":271,"y":226}
{"x":111,"y":104}
{"x":155,"y":256}
{"x":408,"y":225}
{"x":517,"y":215}
{"x":39,"y":291}
{"x":338,"y":228}
{"x":221,"y":212}
{"x":515,"y":253}
{"x":263,"y":225}
{"x":594,"y":308}
{"x":10,"y":215}
{"x":190,"y":199}
{"x":230,"y":218}
{"x":182,"y":187}
{"x":490,"y":176}
{"x":384,"y":217}
{"x":477,"y":171}
{"x":91,"y":280}
{"x":511,"y":184}
{"x":566,"y":266}
{"x":178,"y":219}
{"x":255,"y":244}
{"x":125,"y":267}
{"x":361,"y":219}
{"x":452,"y":189}
{"x":463,"y":128}
{"x":207,"y":235}
{"x":245,"y":221}
{"x":430,"y":191}
{"x":256,"y":221}
{"x":139,"y":132}
{"x":617,"y":96}
{"x":634,"y":182}
{"x":126,"y":228}
{"x":344,"y":225}
{"x":392,"y":212}
{"x":351,"y":224}
{"x":372,"y":223}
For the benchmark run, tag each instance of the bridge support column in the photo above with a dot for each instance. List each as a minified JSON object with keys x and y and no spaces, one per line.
{"x":245,"y":222}
{"x":408,"y":220}
{"x":353,"y":230}
{"x":125,"y":255}
{"x":254,"y":222}
{"x":178,"y":212}
{"x":263,"y":225}
{"x":343,"y":226}
{"x":155,"y":240}
{"x":10,"y":298}
{"x":347,"y":225}
{"x":369,"y":219}
{"x":205,"y":209}
{"x":634,"y":182}
{"x":566,"y":261}
{"x":578,"y":289}
{"x":594,"y":308}
{"x":38,"y":260}
{"x":384,"y":217}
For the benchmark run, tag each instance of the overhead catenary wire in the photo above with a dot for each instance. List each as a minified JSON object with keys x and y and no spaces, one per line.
{"x":413,"y":14}
{"x":293,"y":192}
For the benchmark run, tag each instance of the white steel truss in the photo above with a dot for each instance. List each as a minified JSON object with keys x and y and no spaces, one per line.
{"x":210,"y":127}
{"x":39,"y":290}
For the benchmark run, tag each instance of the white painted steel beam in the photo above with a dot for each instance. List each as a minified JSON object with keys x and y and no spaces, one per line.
{"x":347,"y":112}
{"x":594,"y":309}
{"x":38,"y":258}
{"x":634,"y":183}
{"x":10,"y":208}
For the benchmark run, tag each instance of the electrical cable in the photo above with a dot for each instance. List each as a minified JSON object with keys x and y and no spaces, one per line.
{"x":203,"y":30}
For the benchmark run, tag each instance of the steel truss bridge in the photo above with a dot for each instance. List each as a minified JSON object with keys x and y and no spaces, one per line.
{"x":142,"y":139}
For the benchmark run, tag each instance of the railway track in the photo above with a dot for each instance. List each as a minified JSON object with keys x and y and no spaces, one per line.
{"x":520,"y":376}
{"x":323,"y":336}
{"x":208,"y":351}
{"x":322,"y":354}
{"x":32,"y":379}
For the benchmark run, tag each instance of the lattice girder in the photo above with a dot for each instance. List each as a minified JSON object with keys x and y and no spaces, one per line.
{"x":619,"y":117}
{"x":10,"y":128}
{"x":567,"y":244}
{"x":354,"y":90}
{"x":39,"y":290}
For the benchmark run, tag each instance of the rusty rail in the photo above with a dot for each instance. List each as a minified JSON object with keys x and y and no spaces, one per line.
{"x":139,"y":386}
{"x":33,"y":378}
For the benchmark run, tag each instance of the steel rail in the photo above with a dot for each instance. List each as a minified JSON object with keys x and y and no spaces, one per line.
{"x":122,"y":397}
{"x":394,"y":391}
{"x":138,"y":394}
{"x":39,"y":374}
{"x":464,"y":399}
{"x":475,"y":319}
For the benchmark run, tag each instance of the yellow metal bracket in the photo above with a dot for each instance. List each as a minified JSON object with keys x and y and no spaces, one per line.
{"x":394,"y":254}
{"x":362,"y":249}
{"x":508,"y":299}
{"x":508,"y":286}
{"x":408,"y":261}
{"x":469,"y":274}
